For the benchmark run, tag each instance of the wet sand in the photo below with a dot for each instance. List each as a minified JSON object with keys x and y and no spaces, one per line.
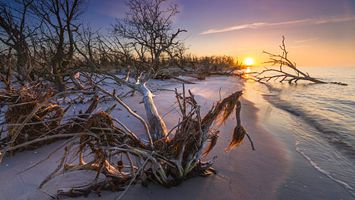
{"x":302,"y":180}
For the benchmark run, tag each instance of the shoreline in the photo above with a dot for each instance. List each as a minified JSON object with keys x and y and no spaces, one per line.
{"x":304,"y":180}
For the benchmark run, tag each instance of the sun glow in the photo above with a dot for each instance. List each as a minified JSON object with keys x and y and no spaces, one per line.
{"x":248,"y":61}
{"x":248,"y":70}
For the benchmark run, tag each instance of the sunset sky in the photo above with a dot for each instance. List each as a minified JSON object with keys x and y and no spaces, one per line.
{"x":318,"y":32}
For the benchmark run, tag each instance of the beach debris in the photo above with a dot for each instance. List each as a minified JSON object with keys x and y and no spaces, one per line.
{"x":29,"y":114}
{"x":34,"y":117}
{"x":124,"y":159}
{"x":239,"y":132}
{"x":287,"y":71}
{"x":100,"y":143}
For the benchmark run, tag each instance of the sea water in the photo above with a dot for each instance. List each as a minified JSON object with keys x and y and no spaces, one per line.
{"x":327,"y":140}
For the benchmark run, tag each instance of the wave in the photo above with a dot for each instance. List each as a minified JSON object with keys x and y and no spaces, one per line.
{"x":325,"y":145}
{"x":336,"y":136}
{"x":327,"y":173}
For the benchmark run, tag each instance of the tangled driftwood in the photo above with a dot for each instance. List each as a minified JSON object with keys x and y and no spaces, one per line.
{"x":102,"y":144}
{"x":125,"y":159}
{"x":29,"y":115}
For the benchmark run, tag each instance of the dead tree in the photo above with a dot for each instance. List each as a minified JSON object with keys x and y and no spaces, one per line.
{"x":148,"y":28}
{"x":287,"y":71}
{"x":157,"y":127}
{"x":87,"y":46}
{"x":6,"y":67}
{"x":60,"y":24}
{"x":15,"y":32}
{"x":118,"y":153}
{"x":148,"y":25}
{"x":121,"y":53}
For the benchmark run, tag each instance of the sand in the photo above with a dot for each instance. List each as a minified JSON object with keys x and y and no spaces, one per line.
{"x":303,"y":180}
{"x":241,"y":173}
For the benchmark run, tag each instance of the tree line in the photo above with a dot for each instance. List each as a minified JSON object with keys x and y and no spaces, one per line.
{"x":47,"y":40}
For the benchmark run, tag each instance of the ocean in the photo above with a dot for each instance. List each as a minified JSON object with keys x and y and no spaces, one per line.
{"x":324,"y":120}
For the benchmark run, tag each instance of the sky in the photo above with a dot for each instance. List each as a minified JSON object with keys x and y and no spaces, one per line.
{"x":318,"y":32}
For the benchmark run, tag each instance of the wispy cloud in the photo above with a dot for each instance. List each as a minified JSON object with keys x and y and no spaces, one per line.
{"x":300,"y":46}
{"x":257,"y":25}
{"x":306,"y":40}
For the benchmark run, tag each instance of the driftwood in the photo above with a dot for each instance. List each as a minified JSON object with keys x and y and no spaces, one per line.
{"x":167,"y":158}
{"x":157,"y":127}
{"x":34,"y":117}
{"x":30,"y":115}
{"x":287,"y":70}
{"x":125,"y":159}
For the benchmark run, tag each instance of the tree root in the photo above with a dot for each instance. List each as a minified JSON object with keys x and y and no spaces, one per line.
{"x":124,"y":159}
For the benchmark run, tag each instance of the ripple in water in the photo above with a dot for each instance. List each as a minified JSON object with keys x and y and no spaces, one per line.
{"x":327,"y":140}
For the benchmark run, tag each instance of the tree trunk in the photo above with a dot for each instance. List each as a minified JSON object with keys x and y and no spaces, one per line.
{"x":157,"y":126}
{"x":58,"y":78}
{"x":22,"y":63}
{"x":57,"y":63}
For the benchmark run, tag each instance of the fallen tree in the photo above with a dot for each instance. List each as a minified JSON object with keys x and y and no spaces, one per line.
{"x":287,"y":70}
{"x":125,"y":159}
{"x":118,"y":154}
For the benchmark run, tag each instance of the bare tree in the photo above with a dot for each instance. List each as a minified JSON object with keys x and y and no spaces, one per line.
{"x":60,"y":24}
{"x":15,"y":32}
{"x":287,"y":70}
{"x":87,"y":45}
{"x":148,"y":29}
{"x":148,"y":25}
{"x":5,"y":67}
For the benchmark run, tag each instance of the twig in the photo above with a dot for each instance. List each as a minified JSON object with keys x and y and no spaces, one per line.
{"x":133,"y":179}
{"x":146,"y":127}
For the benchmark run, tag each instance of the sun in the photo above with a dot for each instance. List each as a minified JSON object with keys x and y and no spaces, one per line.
{"x":248,"y":61}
